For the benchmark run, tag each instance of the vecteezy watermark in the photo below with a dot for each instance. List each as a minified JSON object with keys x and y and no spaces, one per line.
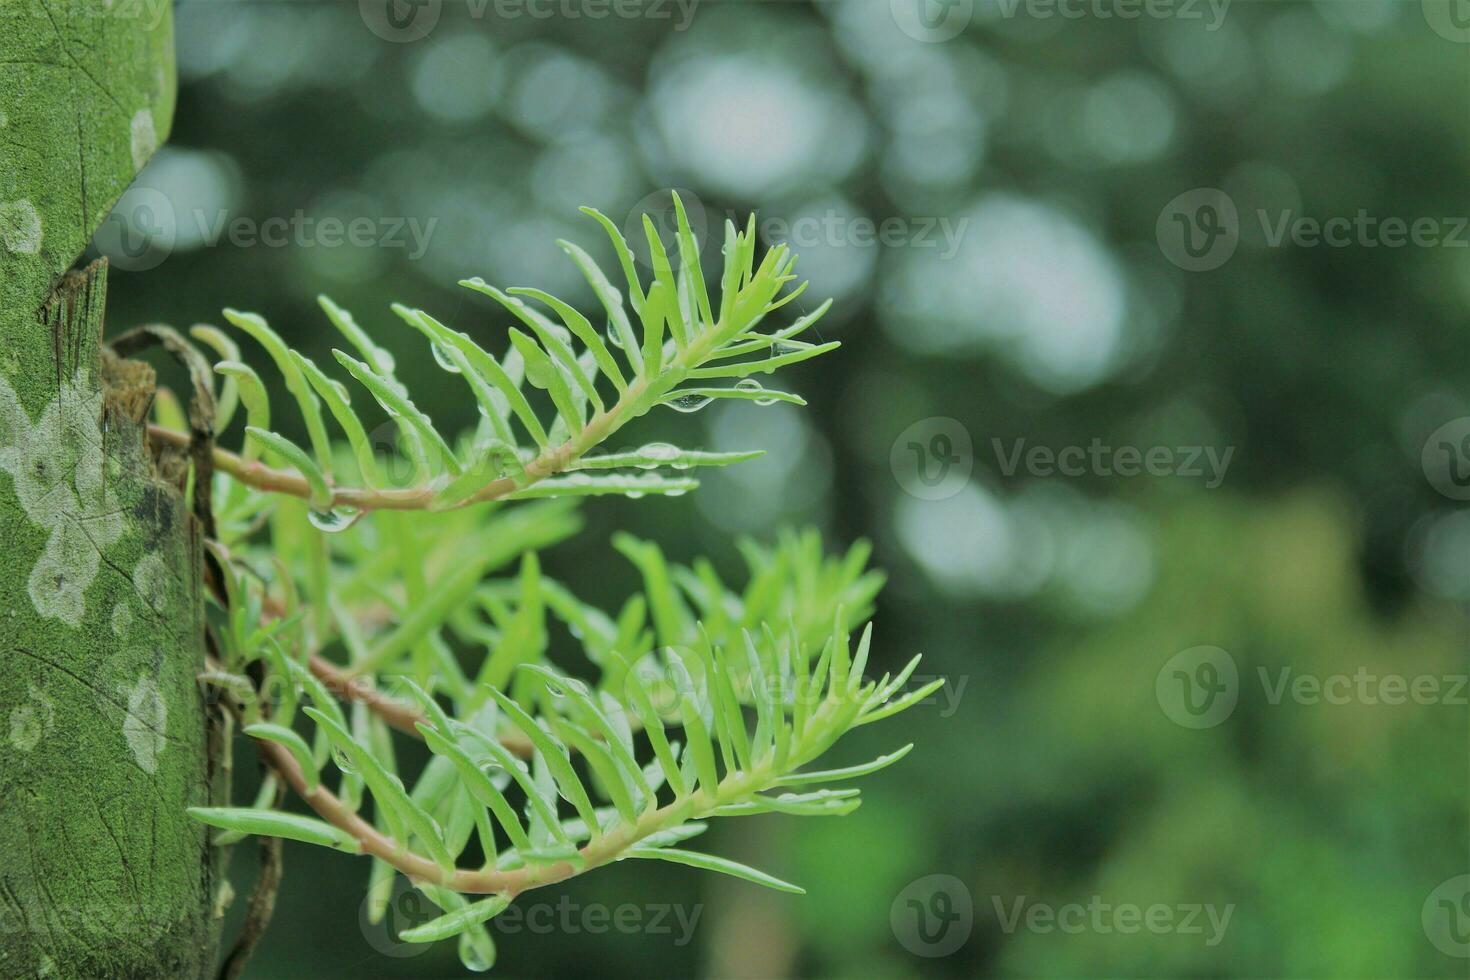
{"x":403,"y":21}
{"x":567,"y":917}
{"x":1211,"y":12}
{"x":1446,"y":917}
{"x":1450,"y":19}
{"x":932,"y":21}
{"x":932,"y":916}
{"x":143,"y":229}
{"x":838,"y":230}
{"x":1205,"y":920}
{"x":397,"y":906}
{"x":830,"y":228}
{"x":1200,"y":687}
{"x":1200,"y":229}
{"x":1099,"y":459}
{"x":1446,"y":459}
{"x":932,"y":458}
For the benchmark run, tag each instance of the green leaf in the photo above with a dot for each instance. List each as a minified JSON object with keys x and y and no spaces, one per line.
{"x":252,"y":394}
{"x":585,"y":485}
{"x":551,"y":341}
{"x":293,"y":743}
{"x":584,"y":331}
{"x":453,"y":923}
{"x":380,"y":359}
{"x":625,"y":255}
{"x":637,"y":696}
{"x":273,"y":823}
{"x":612,"y":302}
{"x":542,"y":372}
{"x":759,"y":395}
{"x":414,"y":423}
{"x":849,"y":772}
{"x":708,"y":862}
{"x":554,"y":753}
{"x":334,"y":393}
{"x":479,"y":784}
{"x":228,"y":350}
{"x":388,"y":790}
{"x":768,"y":365}
{"x":662,"y":454}
{"x":321,"y":493}
{"x":482,"y":367}
{"x":902,"y":704}
{"x":311,"y":409}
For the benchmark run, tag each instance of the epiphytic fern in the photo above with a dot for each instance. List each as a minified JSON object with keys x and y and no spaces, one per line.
{"x":700,"y":702}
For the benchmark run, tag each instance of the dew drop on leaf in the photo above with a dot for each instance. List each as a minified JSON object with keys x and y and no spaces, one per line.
{"x":333,"y":519}
{"x":750,"y":384}
{"x":442,"y":356}
{"x":473,"y":955}
{"x":658,"y":452}
{"x":689,"y":403}
{"x":613,"y":337}
{"x":343,"y":762}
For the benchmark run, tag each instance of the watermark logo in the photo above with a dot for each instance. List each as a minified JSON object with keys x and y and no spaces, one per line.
{"x":1446,"y":917}
{"x":1199,"y":230}
{"x":659,"y":208}
{"x":932,"y":21}
{"x":144,"y":229}
{"x":1446,"y":459}
{"x":140,"y":231}
{"x":1198,"y":687}
{"x":393,"y":907}
{"x":388,"y":910}
{"x":1450,"y":19}
{"x":1211,"y":12}
{"x":933,"y":916}
{"x":1205,"y":920}
{"x":400,"y":21}
{"x":932,"y":458}
{"x":1206,"y":463}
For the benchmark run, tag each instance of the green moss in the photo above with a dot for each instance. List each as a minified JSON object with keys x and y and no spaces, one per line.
{"x":103,"y":732}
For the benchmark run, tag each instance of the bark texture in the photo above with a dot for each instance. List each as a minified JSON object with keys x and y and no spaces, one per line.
{"x":104,"y":738}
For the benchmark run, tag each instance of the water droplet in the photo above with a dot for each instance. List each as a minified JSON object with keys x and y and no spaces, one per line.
{"x":750,"y":384}
{"x":634,"y":495}
{"x":779,"y":348}
{"x":442,"y":355}
{"x":689,"y":403}
{"x":675,"y":492}
{"x":539,"y":374}
{"x":613,"y":337}
{"x":334,"y":519}
{"x":384,"y":361}
{"x":473,"y":953}
{"x":343,"y":762}
{"x":658,"y":452}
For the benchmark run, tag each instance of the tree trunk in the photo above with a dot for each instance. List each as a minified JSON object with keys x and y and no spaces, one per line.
{"x":104,"y":738}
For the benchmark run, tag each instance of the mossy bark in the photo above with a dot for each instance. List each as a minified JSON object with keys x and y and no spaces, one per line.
{"x":104,"y":734}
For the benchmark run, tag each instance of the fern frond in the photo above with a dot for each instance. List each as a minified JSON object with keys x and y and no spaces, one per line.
{"x":701,"y":700}
{"x":676,"y":341}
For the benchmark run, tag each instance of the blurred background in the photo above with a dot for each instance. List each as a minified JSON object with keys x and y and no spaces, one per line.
{"x":1170,"y":487}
